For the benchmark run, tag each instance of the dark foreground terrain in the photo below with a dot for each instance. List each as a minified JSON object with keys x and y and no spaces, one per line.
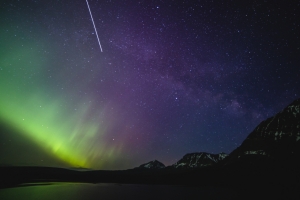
{"x":269,"y":180}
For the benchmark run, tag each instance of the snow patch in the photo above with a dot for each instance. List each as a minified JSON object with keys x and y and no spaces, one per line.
{"x":179,"y":165}
{"x":294,"y":109}
{"x":258,"y":152}
{"x":148,"y":165}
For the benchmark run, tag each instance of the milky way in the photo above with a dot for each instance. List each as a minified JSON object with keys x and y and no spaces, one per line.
{"x":175,"y":78}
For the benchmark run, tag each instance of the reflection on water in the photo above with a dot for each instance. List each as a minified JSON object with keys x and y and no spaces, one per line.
{"x":80,"y":191}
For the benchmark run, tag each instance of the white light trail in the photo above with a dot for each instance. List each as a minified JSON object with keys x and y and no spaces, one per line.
{"x":94,"y":25}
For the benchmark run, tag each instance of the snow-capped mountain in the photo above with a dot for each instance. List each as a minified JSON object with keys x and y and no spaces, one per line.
{"x":196,"y":160}
{"x":153,"y":165}
{"x":276,"y":138}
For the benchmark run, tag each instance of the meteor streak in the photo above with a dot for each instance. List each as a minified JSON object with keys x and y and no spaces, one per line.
{"x":94,"y":25}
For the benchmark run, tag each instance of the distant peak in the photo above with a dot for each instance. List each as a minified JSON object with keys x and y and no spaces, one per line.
{"x":155,"y":164}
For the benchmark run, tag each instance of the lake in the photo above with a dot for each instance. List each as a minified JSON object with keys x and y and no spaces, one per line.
{"x":80,"y":191}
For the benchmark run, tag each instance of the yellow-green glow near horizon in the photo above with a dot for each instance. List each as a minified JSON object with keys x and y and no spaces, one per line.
{"x":72,"y":132}
{"x":65,"y":137}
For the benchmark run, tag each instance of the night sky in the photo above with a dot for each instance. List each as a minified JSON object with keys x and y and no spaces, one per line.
{"x":174,"y":77}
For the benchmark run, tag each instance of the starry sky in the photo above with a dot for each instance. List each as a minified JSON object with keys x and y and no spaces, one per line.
{"x":174,"y":77}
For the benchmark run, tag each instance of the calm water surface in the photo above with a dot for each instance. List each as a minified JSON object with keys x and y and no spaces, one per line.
{"x":80,"y":191}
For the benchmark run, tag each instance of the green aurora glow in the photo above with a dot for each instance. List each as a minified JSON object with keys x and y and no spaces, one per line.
{"x":75,"y":136}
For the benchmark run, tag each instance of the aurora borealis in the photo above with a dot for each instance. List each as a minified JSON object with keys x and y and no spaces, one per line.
{"x":174,"y":77}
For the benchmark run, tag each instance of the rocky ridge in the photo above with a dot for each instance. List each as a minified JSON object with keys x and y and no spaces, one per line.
{"x":197,"y":160}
